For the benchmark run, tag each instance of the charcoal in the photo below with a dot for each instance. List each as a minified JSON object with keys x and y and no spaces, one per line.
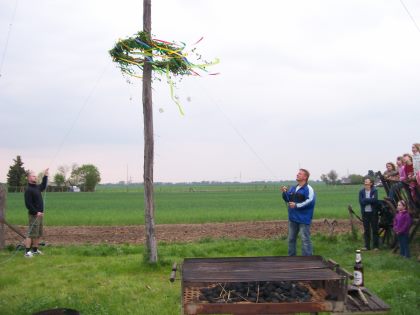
{"x":279,"y":290}
{"x":302,"y":288}
{"x":261,"y":292}
{"x":331,"y":297}
{"x":293,"y":290}
{"x":286,"y":286}
{"x":275,"y":295}
{"x":300,"y":294}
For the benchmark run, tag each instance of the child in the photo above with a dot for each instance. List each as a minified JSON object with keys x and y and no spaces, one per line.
{"x":396,"y":187}
{"x":391,"y":173}
{"x":401,"y":226}
{"x":409,"y":171}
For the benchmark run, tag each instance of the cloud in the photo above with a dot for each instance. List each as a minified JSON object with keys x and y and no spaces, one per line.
{"x":301,"y":83}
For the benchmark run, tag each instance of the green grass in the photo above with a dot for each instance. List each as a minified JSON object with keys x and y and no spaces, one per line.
{"x":115,"y":280}
{"x":180,"y":204}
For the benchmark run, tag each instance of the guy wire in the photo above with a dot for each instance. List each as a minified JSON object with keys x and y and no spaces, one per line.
{"x":84,"y":104}
{"x":231,"y":124}
{"x":409,"y":14}
{"x":87,"y":99}
{"x":8,"y":36}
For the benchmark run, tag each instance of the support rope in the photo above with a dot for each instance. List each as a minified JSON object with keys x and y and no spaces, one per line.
{"x":8,"y":37}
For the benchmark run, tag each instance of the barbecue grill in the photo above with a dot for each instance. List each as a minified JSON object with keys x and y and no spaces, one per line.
{"x":322,"y":283}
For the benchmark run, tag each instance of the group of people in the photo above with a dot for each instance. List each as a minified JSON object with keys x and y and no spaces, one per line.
{"x":300,"y":200}
{"x":406,"y":175}
{"x":368,"y":199}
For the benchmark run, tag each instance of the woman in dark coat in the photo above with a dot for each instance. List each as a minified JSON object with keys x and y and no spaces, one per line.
{"x":368,"y":199}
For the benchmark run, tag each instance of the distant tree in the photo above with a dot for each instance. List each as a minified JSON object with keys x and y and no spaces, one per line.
{"x":74,"y":178}
{"x":330,"y":178}
{"x":64,"y":170}
{"x":17,"y":173}
{"x":324,"y":178}
{"x":88,"y":177}
{"x":356,"y":179}
{"x":24,"y":179}
{"x":59,"y":179}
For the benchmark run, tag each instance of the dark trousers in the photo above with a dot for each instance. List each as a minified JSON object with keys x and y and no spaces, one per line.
{"x":404,"y":248}
{"x":370,"y":226}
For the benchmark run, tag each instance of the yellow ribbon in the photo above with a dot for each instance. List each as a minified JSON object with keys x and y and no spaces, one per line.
{"x":171,"y":88}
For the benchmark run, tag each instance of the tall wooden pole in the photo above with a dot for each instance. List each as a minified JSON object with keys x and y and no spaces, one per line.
{"x":149,"y":207}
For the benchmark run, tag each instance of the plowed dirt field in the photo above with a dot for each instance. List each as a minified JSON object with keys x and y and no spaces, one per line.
{"x":135,"y":234}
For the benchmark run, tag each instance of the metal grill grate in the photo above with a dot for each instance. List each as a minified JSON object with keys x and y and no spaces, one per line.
{"x":313,"y":272}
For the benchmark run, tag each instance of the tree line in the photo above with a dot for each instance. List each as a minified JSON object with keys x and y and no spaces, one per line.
{"x":331,"y":178}
{"x":85,"y":177}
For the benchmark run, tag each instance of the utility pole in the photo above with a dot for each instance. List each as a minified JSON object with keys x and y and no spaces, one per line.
{"x":149,"y":207}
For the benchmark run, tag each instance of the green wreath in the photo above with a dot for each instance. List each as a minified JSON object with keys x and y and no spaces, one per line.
{"x":165,"y":57}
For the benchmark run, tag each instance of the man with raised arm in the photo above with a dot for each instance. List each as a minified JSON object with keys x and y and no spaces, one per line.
{"x":300,"y":201}
{"x":35,"y":205}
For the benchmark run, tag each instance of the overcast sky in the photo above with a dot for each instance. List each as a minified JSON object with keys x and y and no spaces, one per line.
{"x":316,"y":84}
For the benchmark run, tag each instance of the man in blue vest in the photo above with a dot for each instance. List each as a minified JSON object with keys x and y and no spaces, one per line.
{"x":300,"y":201}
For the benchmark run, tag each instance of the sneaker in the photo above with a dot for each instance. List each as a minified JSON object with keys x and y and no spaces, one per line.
{"x":376,"y":249}
{"x":38,"y":252}
{"x":365,"y":248}
{"x":29,"y":255}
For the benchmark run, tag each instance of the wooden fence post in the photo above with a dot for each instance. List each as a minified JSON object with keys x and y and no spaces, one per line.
{"x":353,"y":228}
{"x":2,"y":216}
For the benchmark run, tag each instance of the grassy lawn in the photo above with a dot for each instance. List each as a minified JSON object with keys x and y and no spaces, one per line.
{"x":115,"y":280}
{"x":180,"y":204}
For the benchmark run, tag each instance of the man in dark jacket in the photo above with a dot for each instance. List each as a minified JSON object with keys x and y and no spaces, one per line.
{"x":35,"y":206}
{"x":300,"y":201}
{"x":368,"y":199}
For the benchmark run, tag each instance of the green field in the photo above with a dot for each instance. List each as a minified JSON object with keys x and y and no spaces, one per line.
{"x":179,"y":204}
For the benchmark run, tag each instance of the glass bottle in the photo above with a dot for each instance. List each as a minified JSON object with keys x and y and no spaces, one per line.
{"x":358,"y":276}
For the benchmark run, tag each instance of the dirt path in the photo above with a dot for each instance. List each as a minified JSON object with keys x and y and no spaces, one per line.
{"x":172,"y":232}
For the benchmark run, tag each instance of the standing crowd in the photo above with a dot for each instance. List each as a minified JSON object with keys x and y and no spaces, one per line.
{"x":402,"y":178}
{"x":404,"y":175}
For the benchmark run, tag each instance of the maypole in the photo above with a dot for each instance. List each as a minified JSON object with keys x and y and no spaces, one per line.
{"x":167,"y":59}
{"x":149,"y":205}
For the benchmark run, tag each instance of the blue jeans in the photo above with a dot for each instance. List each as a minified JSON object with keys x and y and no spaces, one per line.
{"x":404,"y":247}
{"x":305,"y":234}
